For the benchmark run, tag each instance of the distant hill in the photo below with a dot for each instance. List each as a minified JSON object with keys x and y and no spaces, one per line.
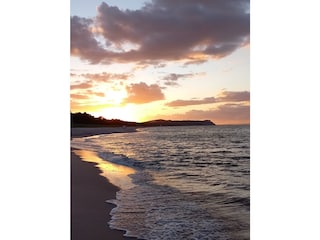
{"x":176,"y":123}
{"x":87,"y":120}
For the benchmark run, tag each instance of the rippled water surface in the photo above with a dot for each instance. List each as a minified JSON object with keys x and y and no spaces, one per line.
{"x":189,"y":182}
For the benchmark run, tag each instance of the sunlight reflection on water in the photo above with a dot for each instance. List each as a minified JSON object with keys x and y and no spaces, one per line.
{"x":116,"y":174}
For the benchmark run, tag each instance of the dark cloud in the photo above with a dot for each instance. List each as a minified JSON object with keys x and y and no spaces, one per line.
{"x":171,"y":83}
{"x":142,"y":93}
{"x":190,"y":30}
{"x":83,"y":43}
{"x":196,"y":62}
{"x":105,"y":77}
{"x":225,"y":96}
{"x":160,"y":65}
{"x":172,"y":78}
{"x":175,"y":77}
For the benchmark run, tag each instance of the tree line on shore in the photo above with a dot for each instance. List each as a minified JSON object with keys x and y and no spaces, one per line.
{"x":86,"y":120}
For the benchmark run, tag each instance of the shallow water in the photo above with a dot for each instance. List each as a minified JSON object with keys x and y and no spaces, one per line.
{"x":188,"y":182}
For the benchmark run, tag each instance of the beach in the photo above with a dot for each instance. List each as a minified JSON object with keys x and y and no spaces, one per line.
{"x":188,"y":182}
{"x":91,"y":131}
{"x":173,"y":183}
{"x":89,"y":191}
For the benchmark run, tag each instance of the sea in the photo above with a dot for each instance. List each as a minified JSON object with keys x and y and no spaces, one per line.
{"x":188,"y":182}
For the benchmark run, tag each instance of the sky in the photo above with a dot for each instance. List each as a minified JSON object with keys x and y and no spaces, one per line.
{"x":161,"y":59}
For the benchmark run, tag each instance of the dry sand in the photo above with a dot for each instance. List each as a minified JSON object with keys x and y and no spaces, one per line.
{"x":85,"y":132}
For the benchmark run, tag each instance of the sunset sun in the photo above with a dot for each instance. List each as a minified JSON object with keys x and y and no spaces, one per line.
{"x":125,"y":113}
{"x":115,"y":97}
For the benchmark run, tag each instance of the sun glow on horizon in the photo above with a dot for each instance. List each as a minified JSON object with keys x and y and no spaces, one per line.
{"x":125,"y":113}
{"x":115,"y":96}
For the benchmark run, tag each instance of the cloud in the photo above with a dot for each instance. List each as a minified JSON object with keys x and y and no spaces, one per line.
{"x":83,"y":43}
{"x":99,"y":94}
{"x":140,"y":93}
{"x":196,"y":62}
{"x":172,"y":78}
{"x":87,"y":107}
{"x":84,"y":97}
{"x":223,"y":114}
{"x":227,"y":114}
{"x":175,"y":77}
{"x":179,"y":103}
{"x":171,"y":83}
{"x":225,"y":96}
{"x":78,"y":96}
{"x":84,"y":85}
{"x":83,"y":91}
{"x":228,"y":96}
{"x":194,"y":31}
{"x":160,"y":65}
{"x":105,"y":77}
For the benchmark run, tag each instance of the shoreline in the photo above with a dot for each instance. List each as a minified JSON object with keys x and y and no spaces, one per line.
{"x":90,"y":213}
{"x":87,"y":131}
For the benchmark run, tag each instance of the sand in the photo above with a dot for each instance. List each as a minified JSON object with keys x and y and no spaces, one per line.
{"x":89,"y":191}
{"x":86,"y":132}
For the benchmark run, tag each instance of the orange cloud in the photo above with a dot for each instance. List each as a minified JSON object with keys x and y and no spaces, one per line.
{"x":87,"y":107}
{"x":225,"y":96}
{"x":223,"y":114}
{"x":229,"y":96}
{"x":78,"y":96}
{"x":140,"y":93}
{"x":180,"y":103}
{"x":84,"y":85}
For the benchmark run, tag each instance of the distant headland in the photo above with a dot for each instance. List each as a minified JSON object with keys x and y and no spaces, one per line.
{"x":87,"y":120}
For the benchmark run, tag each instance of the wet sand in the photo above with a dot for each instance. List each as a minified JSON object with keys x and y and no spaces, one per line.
{"x":89,"y":211}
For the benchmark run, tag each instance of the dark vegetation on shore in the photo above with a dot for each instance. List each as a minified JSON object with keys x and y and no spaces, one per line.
{"x":87,"y":120}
